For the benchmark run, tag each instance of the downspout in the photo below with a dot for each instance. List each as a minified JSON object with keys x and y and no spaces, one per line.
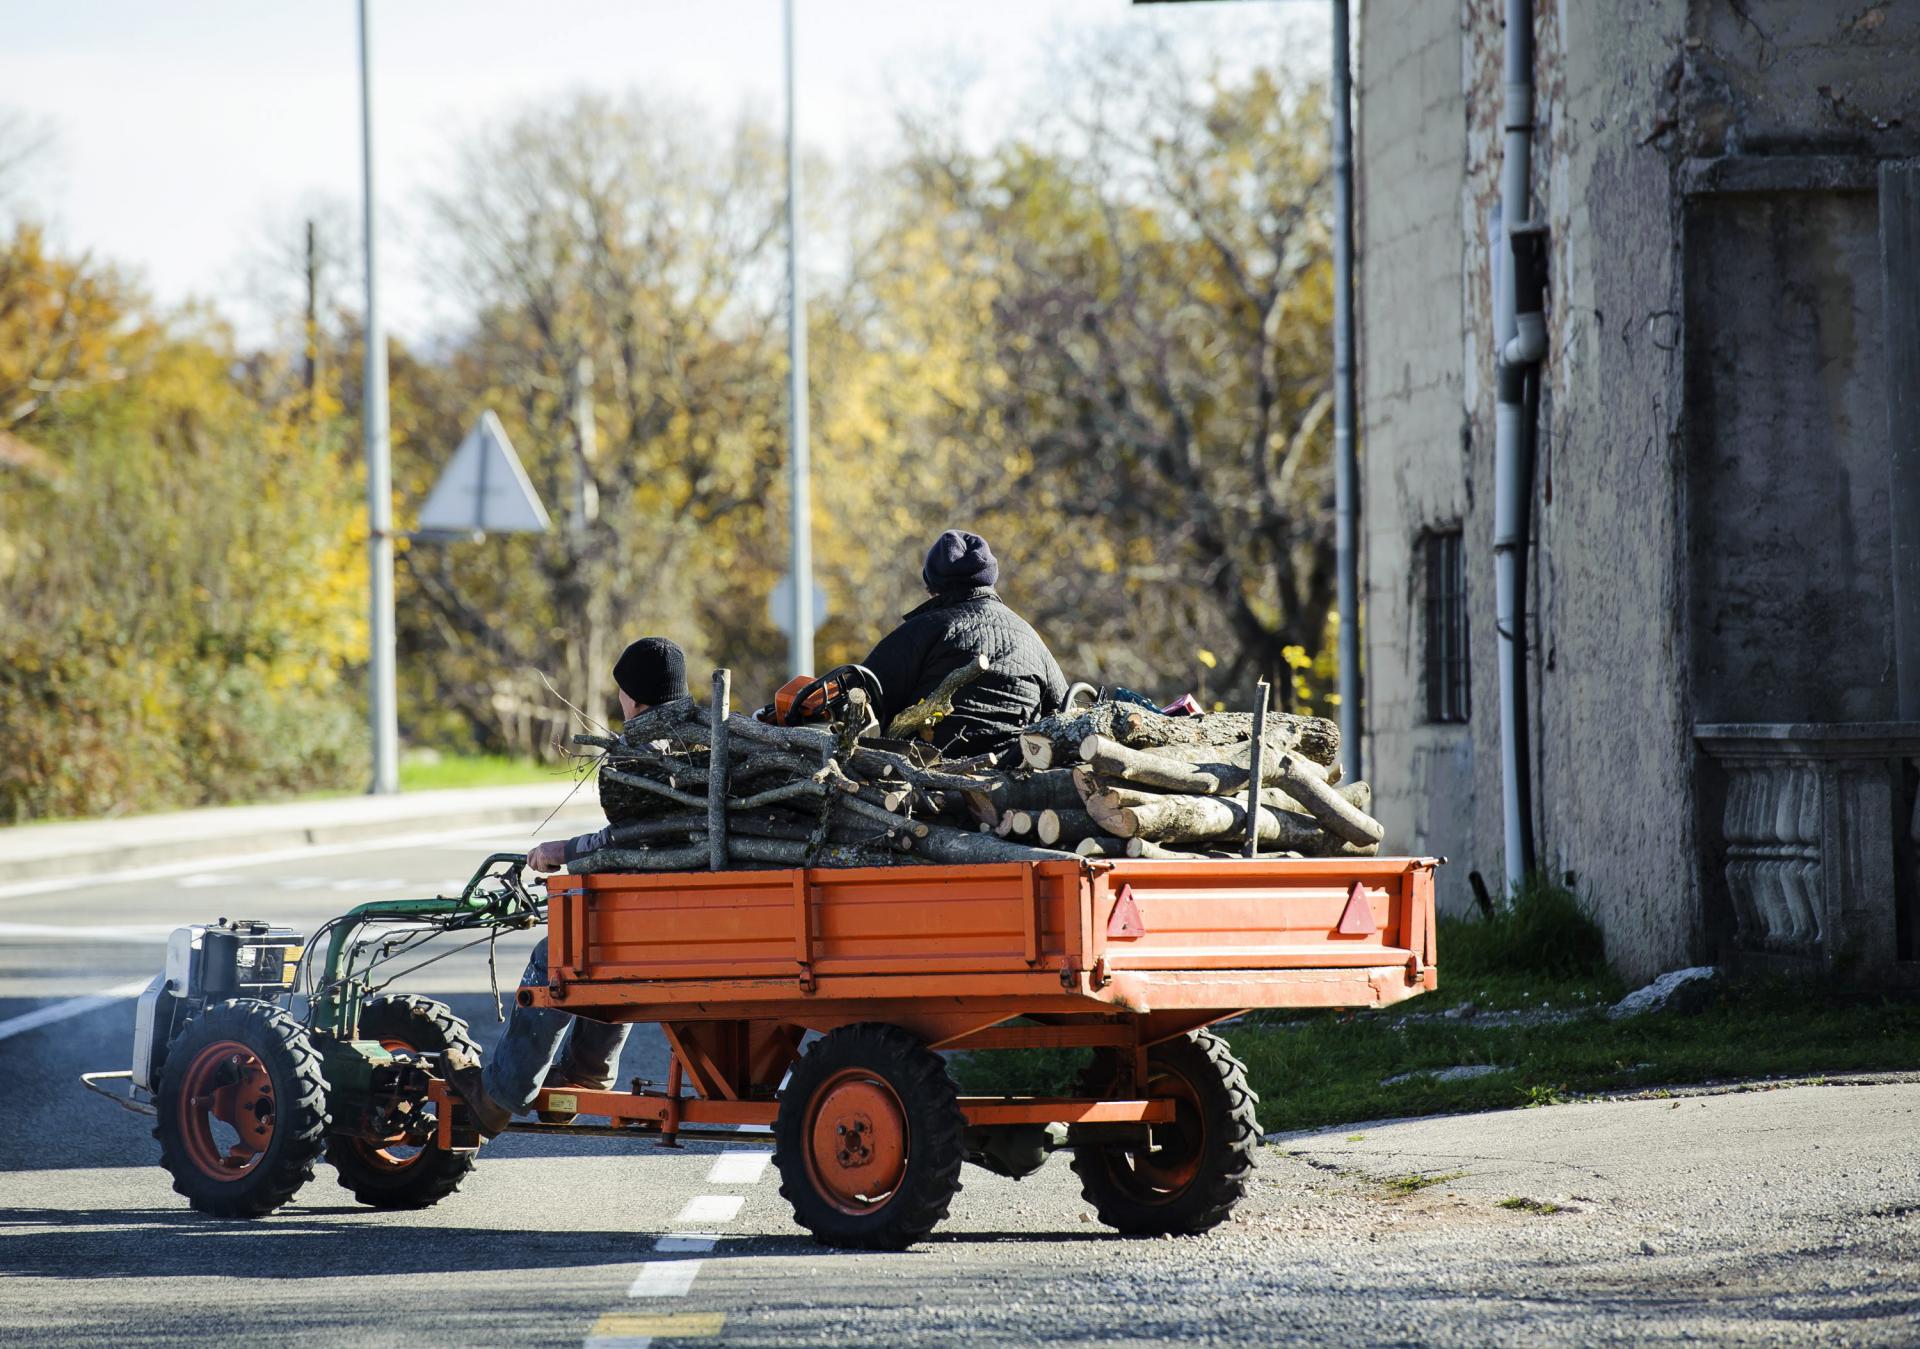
{"x":1346,"y":472}
{"x":1520,"y":339}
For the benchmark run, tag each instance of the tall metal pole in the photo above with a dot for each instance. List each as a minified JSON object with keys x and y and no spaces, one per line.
{"x":1346,"y":470}
{"x":373,"y":420}
{"x":800,"y":569}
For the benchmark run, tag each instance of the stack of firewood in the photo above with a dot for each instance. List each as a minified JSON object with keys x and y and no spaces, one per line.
{"x":691,"y":787}
{"x":1119,"y":780}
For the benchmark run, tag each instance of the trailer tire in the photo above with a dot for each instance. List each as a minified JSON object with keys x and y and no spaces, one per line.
{"x":384,"y":1177}
{"x":1190,"y":1181}
{"x":242,"y":1109}
{"x":870,"y":1138}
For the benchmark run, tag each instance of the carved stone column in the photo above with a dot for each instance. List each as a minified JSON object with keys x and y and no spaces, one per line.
{"x":1818,"y":836}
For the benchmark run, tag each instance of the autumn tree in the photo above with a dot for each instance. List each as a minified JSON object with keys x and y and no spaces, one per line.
{"x":1149,"y":429}
{"x":622,"y":270}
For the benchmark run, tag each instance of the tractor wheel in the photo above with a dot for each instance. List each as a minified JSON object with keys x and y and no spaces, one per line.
{"x":1196,"y":1170}
{"x":869,"y":1139}
{"x":394,"y":1173}
{"x":242,"y":1109}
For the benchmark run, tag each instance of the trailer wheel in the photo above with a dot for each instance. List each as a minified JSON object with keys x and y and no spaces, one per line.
{"x":242,"y":1109}
{"x":1196,"y":1171}
{"x":393,"y":1173}
{"x":870,"y":1139}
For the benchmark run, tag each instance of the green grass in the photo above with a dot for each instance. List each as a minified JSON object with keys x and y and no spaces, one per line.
{"x":1417,"y":1181}
{"x":431,"y":772}
{"x":1521,"y":1205}
{"x":1317,"y":1069}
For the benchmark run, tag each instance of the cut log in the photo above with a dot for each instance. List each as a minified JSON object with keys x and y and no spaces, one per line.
{"x":1156,"y":769}
{"x":627,"y":833}
{"x":1146,"y":847}
{"x":931,"y":710}
{"x":1141,"y":728}
{"x":1306,"y":782}
{"x":1121,"y":795}
{"x":688,"y":857}
{"x":1055,"y":741}
{"x":944,"y":843}
{"x":1063,"y":828}
{"x":858,"y":805}
{"x":1185,"y":819}
{"x":879,"y":763}
{"x":1016,"y":824}
{"x":648,"y":785}
{"x":1101,"y":845}
{"x":992,"y":797}
{"x":767,"y":824}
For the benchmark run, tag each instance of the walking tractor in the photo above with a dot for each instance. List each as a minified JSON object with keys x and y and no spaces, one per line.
{"x":260,"y":1053}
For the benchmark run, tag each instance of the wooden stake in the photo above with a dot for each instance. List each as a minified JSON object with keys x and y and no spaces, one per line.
{"x":717,"y":770}
{"x":1256,"y":768}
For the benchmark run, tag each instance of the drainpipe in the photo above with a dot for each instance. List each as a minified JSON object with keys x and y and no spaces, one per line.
{"x":1520,"y":338}
{"x":1346,"y":471}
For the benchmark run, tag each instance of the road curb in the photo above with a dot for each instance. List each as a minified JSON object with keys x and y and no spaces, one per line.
{"x":86,"y":848}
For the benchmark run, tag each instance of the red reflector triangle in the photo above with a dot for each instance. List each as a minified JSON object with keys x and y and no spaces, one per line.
{"x":1356,"y":920}
{"x":1126,"y":920}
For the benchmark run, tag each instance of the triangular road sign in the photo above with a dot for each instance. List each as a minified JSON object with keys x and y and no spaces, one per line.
{"x":483,"y":489}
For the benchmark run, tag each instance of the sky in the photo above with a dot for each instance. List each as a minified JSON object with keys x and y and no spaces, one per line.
{"x":183,"y":139}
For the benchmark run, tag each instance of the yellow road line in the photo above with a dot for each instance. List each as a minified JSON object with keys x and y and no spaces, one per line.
{"x":667,"y":1326}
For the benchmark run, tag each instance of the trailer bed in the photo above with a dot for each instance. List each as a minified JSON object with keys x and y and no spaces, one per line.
{"x":950,"y":951}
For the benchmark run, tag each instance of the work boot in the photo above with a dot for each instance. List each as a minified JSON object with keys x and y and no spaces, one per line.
{"x":465,"y":1076}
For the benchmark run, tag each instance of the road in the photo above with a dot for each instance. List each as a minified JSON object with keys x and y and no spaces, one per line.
{"x":1788,"y":1216}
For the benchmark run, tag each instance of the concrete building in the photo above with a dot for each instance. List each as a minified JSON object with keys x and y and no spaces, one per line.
{"x":1722,"y":755}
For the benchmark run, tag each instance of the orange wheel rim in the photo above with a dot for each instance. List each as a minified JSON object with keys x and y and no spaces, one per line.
{"x":1163,"y":1172}
{"x":858,"y":1141}
{"x":396,"y":1152}
{"x":226,"y":1110}
{"x":1174,"y":1160}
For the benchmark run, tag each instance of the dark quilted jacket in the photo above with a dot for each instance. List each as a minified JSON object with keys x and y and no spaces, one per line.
{"x":1022,"y":684}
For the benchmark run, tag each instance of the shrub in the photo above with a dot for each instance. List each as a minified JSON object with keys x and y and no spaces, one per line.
{"x":1545,"y":931}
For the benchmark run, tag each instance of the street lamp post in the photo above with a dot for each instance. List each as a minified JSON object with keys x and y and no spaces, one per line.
{"x":373,"y":420}
{"x":800,"y":567}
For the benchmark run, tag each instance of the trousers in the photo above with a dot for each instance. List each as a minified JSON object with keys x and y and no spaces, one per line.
{"x":533,"y":1039}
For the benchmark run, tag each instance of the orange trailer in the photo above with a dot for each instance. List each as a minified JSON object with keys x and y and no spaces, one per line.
{"x":1131,"y":959}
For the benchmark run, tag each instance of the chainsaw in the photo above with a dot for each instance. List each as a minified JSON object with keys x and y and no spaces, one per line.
{"x":806,"y":700}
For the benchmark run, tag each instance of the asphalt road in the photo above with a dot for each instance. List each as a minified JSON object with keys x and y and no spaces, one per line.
{"x":1788,"y":1216}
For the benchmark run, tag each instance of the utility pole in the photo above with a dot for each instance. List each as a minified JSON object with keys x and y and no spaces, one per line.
{"x":586,"y":511}
{"x":373,"y":421}
{"x":312,"y":333}
{"x":1346,"y":468}
{"x":800,"y":567}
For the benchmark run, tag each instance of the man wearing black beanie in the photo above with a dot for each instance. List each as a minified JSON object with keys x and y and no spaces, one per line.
{"x":963,"y":618}
{"x":530,"y":1055}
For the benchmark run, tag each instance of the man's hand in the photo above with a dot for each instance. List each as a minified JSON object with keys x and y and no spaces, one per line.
{"x":548,"y":856}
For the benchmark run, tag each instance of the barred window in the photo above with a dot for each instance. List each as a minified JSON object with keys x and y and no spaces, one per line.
{"x":1446,"y":655}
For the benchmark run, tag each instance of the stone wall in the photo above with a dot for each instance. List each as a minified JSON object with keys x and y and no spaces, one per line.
{"x":1643,"y":618}
{"x":1412,"y":131}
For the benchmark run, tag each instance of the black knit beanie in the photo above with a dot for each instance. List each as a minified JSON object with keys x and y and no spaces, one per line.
{"x":652,"y":671}
{"x":959,"y":560}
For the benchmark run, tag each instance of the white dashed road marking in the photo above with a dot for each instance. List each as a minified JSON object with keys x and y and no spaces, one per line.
{"x":709,"y":1208}
{"x":687,"y":1243}
{"x":739,"y":1168}
{"x":72,"y":1007}
{"x":666,"y":1278}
